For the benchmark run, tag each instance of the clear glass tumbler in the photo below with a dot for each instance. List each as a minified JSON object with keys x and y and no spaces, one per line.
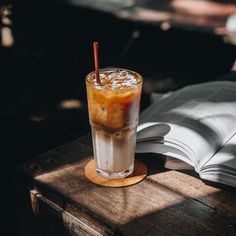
{"x":113,"y":115}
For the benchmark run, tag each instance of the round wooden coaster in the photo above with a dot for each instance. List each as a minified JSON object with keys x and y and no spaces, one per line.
{"x":140,"y":172}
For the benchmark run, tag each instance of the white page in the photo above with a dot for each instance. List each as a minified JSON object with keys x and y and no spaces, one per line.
{"x":200,"y":117}
{"x":225,"y":158}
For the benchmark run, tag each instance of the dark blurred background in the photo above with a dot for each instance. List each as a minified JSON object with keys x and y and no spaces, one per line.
{"x":46,"y":52}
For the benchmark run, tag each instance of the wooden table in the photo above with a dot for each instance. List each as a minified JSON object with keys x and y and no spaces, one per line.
{"x":55,"y":198}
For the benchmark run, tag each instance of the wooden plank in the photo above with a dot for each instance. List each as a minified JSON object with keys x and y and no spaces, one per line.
{"x":166,"y":202}
{"x":63,"y":220}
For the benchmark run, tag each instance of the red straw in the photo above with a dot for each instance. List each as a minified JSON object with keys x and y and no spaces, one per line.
{"x":96,"y":61}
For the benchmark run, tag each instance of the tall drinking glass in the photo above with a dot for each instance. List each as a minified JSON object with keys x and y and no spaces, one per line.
{"x":113,"y":115}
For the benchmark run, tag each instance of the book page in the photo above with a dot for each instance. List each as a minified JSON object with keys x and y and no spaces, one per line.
{"x":222,"y":166}
{"x":225,"y":157}
{"x":200,"y":119}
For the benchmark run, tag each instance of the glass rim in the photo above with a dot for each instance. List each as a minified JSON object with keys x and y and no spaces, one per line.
{"x":140,"y":80}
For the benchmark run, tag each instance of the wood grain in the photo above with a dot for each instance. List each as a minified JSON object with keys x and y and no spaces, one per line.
{"x":165,"y":203}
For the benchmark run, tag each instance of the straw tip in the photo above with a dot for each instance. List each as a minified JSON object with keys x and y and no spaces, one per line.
{"x":96,"y":61}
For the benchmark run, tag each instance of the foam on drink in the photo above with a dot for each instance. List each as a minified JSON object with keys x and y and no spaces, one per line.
{"x":113,"y":114}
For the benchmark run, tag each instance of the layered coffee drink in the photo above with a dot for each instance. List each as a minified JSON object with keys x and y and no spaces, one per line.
{"x":113,"y":114}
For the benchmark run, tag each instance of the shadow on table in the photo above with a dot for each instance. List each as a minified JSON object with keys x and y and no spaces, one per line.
{"x":209,"y":214}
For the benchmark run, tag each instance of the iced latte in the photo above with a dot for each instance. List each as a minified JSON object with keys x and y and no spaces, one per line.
{"x":113,"y":114}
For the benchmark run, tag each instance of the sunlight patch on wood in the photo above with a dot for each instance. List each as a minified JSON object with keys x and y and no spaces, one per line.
{"x":7,"y":37}
{"x":203,"y":7}
{"x":39,"y":117}
{"x":6,"y":21}
{"x":69,"y":104}
{"x":195,"y":188}
{"x":145,"y":15}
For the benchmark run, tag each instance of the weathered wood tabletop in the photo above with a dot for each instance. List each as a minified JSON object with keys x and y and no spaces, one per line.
{"x":55,"y":198}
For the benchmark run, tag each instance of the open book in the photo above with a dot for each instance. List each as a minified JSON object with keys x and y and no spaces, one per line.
{"x":194,"y":127}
